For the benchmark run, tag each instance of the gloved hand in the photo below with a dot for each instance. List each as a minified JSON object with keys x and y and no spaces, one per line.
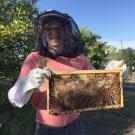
{"x":34,"y":79}
{"x":114,"y":64}
{"x":21,"y":92}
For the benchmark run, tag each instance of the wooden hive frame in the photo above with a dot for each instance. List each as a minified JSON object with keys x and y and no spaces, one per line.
{"x":105,"y":88}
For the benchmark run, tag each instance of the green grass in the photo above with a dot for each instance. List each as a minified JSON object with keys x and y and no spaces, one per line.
{"x":15,"y":121}
{"x":112,"y":122}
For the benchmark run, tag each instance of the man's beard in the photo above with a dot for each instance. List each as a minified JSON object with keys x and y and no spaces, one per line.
{"x":55,"y":50}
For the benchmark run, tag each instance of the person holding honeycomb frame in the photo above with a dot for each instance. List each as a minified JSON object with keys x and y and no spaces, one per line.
{"x":58,"y":42}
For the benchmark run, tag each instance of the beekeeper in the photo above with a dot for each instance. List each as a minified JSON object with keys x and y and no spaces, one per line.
{"x":59,"y":43}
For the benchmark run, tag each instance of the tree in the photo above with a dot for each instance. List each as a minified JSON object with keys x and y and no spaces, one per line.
{"x":16,"y":36}
{"x":95,"y":50}
{"x":128,"y":55}
{"x":113,"y":53}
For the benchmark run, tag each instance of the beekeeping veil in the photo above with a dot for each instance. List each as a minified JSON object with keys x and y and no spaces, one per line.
{"x":73,"y":44}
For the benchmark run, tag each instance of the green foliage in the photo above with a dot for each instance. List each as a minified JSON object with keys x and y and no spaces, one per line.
{"x":129,"y":57}
{"x":12,"y":119}
{"x":16,"y":36}
{"x":95,"y":50}
{"x":113,"y":53}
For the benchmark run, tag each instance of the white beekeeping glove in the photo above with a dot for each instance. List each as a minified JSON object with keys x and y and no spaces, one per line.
{"x":21,"y":92}
{"x":34,"y":79}
{"x":114,"y":64}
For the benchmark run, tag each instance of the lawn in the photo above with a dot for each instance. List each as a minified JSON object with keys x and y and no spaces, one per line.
{"x":15,"y":121}
{"x":112,"y":122}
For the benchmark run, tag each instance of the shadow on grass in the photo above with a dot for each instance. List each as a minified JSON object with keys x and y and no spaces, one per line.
{"x":112,"y":122}
{"x":15,"y":121}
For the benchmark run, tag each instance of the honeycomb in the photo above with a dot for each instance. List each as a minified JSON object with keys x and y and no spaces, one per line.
{"x":82,"y":91}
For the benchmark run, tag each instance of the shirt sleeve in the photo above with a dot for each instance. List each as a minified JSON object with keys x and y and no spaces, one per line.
{"x":15,"y":95}
{"x":88,"y":65}
{"x":29,"y":63}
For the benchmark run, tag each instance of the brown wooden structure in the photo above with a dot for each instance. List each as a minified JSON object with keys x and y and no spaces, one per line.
{"x":84,"y":90}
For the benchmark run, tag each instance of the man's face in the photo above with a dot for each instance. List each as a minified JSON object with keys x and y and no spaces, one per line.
{"x":54,"y":33}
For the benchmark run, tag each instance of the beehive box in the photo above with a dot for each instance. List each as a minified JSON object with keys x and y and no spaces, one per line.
{"x":84,"y":90}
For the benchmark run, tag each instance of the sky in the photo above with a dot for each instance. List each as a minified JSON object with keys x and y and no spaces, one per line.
{"x":113,"y":20}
